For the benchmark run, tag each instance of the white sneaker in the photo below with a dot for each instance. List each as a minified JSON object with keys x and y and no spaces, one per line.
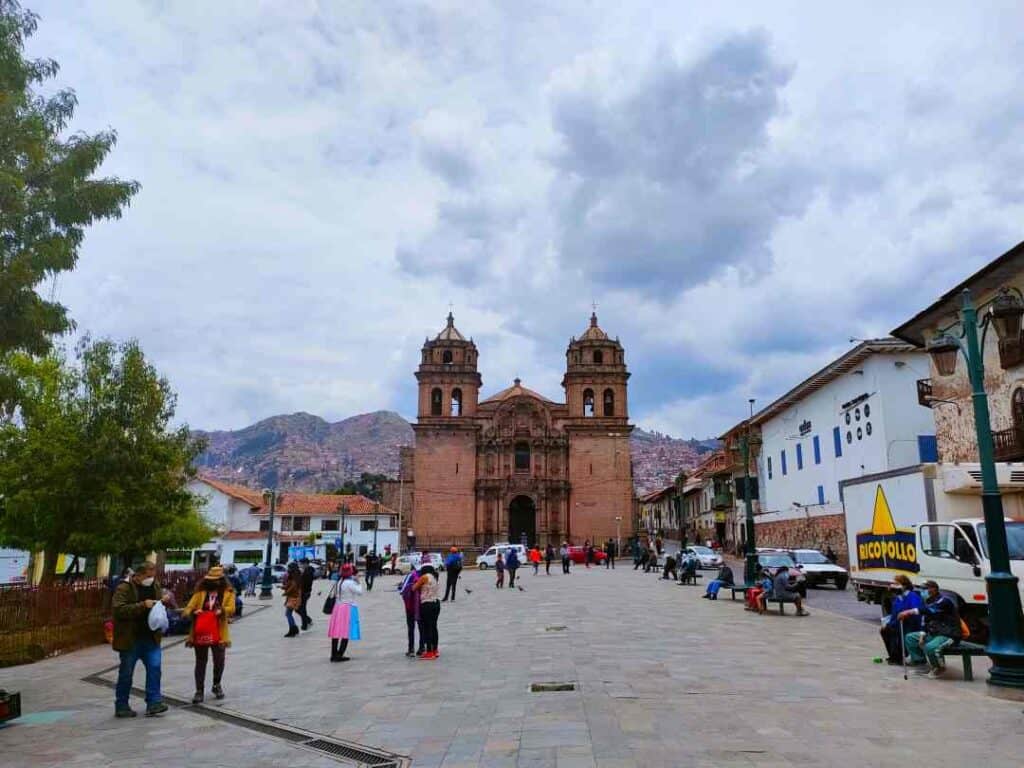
{"x":935,"y":673}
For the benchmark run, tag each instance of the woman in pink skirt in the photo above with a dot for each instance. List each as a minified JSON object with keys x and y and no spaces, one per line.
{"x":344,"y":622}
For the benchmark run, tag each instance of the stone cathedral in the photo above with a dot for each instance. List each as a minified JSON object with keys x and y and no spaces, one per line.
{"x":517,"y":464}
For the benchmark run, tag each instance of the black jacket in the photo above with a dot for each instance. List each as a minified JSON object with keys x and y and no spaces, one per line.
{"x":307,"y":580}
{"x":941,"y":617}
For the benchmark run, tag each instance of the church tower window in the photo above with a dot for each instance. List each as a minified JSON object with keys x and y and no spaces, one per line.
{"x":588,"y":402}
{"x":435,"y":402}
{"x":609,"y":403}
{"x":456,"y":402}
{"x":598,"y":357}
{"x":446,"y":357}
{"x":522,"y":457}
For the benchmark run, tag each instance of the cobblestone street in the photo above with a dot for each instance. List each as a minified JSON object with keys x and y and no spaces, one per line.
{"x":663,"y":678}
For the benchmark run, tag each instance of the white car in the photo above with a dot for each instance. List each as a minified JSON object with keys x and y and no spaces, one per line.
{"x":706,"y":556}
{"x":488,"y":558}
{"x":406,"y":563}
{"x":818,"y":569}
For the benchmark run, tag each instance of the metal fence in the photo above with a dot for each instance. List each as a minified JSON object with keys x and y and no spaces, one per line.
{"x":37,"y":621}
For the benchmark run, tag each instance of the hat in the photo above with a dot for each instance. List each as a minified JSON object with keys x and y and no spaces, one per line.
{"x":931,"y":583}
{"x":215,"y":572}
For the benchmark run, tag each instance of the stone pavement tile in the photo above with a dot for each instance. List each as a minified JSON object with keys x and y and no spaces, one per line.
{"x":544,"y":757}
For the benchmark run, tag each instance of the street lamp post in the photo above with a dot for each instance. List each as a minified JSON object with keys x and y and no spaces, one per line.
{"x":267,"y":587}
{"x":1006,"y":636}
{"x":750,"y":567}
{"x":618,"y":530}
{"x":343,"y":511}
{"x":376,"y":522}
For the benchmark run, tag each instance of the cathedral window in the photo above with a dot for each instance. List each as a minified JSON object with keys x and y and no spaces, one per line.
{"x":446,"y":357}
{"x":609,"y":403}
{"x":598,"y":357}
{"x":588,"y":402}
{"x":522,"y":457}
{"x":435,"y":402}
{"x":456,"y":402}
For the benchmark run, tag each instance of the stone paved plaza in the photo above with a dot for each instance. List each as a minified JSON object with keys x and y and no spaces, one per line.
{"x":663,"y":678}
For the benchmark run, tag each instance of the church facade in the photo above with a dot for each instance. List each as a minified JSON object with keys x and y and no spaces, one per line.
{"x":517,"y":464}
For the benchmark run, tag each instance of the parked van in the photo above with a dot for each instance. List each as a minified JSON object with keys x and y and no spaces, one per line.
{"x":488,"y":558}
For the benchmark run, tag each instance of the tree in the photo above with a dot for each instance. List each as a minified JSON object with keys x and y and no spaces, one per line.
{"x":48,"y":192}
{"x":91,"y":463}
{"x":369,"y":485}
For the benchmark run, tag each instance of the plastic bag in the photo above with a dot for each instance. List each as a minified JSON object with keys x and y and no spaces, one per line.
{"x":158,"y":621}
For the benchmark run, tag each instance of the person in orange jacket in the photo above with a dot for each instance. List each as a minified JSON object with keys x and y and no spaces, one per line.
{"x":535,"y":559}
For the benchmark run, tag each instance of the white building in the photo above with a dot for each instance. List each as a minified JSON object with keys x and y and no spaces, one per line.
{"x":859,"y":415}
{"x":242,"y":521}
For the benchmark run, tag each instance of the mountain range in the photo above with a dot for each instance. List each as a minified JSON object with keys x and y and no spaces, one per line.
{"x":304,"y":452}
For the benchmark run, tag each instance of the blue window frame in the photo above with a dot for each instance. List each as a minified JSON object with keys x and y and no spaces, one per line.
{"x":821,"y":494}
{"x":799,"y":456}
{"x":817,"y":449}
{"x":769,"y":467}
{"x":782,"y":461}
{"x":837,"y":441}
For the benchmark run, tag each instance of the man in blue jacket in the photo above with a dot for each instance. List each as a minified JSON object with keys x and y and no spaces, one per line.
{"x":941,"y":629}
{"x":452,"y":567}
{"x":512,"y":564}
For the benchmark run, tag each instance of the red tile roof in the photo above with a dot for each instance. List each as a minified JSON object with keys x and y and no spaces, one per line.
{"x":297,"y":503}
{"x":261,"y":536}
{"x":248,"y":495}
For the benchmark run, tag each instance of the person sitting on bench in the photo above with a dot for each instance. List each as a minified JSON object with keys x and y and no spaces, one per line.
{"x":941,"y":629}
{"x":688,"y":571}
{"x":906,"y":598}
{"x":724,"y":579}
{"x":670,"y":567}
{"x":762,"y":587}
{"x":783,"y":594}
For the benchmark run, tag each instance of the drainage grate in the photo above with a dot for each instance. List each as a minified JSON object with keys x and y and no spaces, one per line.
{"x":557,"y":628}
{"x":547,"y":687}
{"x":361,"y":756}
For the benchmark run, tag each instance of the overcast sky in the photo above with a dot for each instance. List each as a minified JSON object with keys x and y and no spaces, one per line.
{"x":740,"y":187}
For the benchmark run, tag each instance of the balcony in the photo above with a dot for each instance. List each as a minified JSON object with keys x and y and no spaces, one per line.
{"x":924,"y":392}
{"x":722,"y":501}
{"x":1009,"y":444}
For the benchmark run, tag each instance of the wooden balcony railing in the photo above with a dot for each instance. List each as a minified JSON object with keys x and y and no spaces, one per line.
{"x":1009,"y":444}
{"x":924,"y":392}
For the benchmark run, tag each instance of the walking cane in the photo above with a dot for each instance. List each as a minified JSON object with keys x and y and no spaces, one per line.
{"x":903,"y":650}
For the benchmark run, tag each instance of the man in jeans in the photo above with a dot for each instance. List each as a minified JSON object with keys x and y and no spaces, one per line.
{"x":452,"y":568}
{"x":941,"y":630}
{"x":307,"y":589}
{"x":135,"y":641}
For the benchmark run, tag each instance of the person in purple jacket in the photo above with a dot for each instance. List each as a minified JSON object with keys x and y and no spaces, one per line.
{"x":411,"y":598}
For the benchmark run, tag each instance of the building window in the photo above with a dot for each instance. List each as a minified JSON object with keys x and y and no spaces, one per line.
{"x":816,"y":445}
{"x":248,"y":556}
{"x":446,"y":357}
{"x":286,"y":523}
{"x":867,"y":411}
{"x":598,"y":357}
{"x":367,"y":525}
{"x":821,"y":494}
{"x":867,"y":427}
{"x":837,"y":442}
{"x":588,"y":402}
{"x":769,"y":467}
{"x":522,"y":457}
{"x":799,"y":456}
{"x":609,"y":403}
{"x":393,"y":522}
{"x":849,"y":436}
{"x":300,"y":523}
{"x":782,"y":462}
{"x":435,"y":402}
{"x":329,"y":525}
{"x":264,"y":526}
{"x":456,"y":402}
{"x":363,"y":549}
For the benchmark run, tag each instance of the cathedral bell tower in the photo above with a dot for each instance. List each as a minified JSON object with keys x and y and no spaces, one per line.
{"x":595,"y":377}
{"x":449,"y":384}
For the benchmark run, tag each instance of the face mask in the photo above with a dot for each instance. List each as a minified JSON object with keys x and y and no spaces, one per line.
{"x":148,"y":581}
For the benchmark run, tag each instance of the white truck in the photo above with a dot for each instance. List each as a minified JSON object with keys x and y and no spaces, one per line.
{"x":903,"y":521}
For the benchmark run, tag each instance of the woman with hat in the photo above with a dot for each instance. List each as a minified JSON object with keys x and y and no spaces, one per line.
{"x":344,"y":623}
{"x":211,"y":605}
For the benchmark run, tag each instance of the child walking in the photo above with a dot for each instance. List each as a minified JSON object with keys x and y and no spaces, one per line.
{"x":344,"y":623}
{"x":499,"y":567}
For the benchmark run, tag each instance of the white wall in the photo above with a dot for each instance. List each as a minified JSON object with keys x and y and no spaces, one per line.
{"x":896,"y":421}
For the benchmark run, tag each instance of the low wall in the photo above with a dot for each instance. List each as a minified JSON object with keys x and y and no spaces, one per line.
{"x":806,"y":532}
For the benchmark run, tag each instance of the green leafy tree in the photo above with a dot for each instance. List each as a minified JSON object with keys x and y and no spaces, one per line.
{"x":369,"y":485}
{"x":48,"y":191}
{"x":92,"y":464}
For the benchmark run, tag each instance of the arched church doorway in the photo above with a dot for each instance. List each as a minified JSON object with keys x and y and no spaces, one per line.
{"x":522,"y":521}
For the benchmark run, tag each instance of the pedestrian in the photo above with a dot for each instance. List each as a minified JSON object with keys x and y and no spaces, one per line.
{"x":893,"y":630}
{"x":134,"y":641}
{"x":411,"y":600}
{"x":212,"y":604}
{"x":831,"y":555}
{"x":252,"y":576}
{"x":430,"y":610}
{"x":642,"y":559}
{"x":306,"y":580}
{"x":535,"y":560}
{"x":609,"y":551}
{"x":452,"y":567}
{"x":292,"y":596}
{"x":499,"y":569}
{"x":942,"y":628}
{"x":371,"y":569}
{"x":670,"y":568}
{"x":724,"y":579}
{"x":394,"y":561}
{"x":344,"y":622}
{"x":512,"y":563}
{"x":564,"y":552}
{"x":549,"y":555}
{"x":588,"y":553}
{"x":237,"y":583}
{"x":781,"y":590}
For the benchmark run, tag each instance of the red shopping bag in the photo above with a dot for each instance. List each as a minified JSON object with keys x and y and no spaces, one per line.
{"x":206,"y":629}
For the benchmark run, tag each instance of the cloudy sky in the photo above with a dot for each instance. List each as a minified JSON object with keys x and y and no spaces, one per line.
{"x":741,"y":187}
